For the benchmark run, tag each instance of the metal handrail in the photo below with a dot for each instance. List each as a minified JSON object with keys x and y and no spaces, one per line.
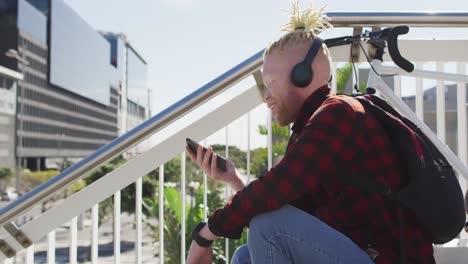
{"x":387,"y":19}
{"x":131,"y":138}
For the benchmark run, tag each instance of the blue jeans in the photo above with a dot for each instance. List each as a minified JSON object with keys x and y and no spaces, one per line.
{"x":290,"y":235}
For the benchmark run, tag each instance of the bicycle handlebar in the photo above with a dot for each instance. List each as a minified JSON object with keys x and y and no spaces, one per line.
{"x":390,"y":35}
{"x":395,"y":54}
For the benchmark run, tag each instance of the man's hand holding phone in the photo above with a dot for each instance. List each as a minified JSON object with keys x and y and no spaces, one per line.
{"x":215,"y":166}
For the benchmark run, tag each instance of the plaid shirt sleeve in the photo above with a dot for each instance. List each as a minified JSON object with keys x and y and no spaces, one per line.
{"x":320,"y":149}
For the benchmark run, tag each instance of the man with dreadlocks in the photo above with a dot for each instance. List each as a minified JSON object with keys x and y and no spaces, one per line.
{"x":299,"y":211}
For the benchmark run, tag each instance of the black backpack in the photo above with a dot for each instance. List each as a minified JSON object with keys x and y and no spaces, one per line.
{"x":432,"y":193}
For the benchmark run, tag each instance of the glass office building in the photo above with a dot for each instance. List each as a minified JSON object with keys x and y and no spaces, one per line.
{"x":79,"y":56}
{"x":68,"y":102}
{"x":41,"y":5}
{"x":136,"y":78}
{"x":131,"y":73}
{"x":8,"y":84}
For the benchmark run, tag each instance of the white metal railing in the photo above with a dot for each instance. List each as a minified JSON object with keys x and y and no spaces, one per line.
{"x":440,"y":51}
{"x":389,"y":19}
{"x":131,"y":171}
{"x":34,"y":230}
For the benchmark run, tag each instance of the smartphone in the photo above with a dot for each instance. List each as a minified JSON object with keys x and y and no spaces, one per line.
{"x":220,"y":161}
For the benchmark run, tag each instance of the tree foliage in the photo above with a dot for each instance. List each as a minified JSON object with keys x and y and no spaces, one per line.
{"x":343,"y":75}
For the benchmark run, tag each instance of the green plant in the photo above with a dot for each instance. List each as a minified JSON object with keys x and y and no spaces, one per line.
{"x":342,"y":77}
{"x":259,"y":162}
{"x":105,"y":207}
{"x":362,"y":86}
{"x":32,"y":179}
{"x":279,"y":132}
{"x":4,"y":172}
{"x":173,"y":220}
{"x":237,"y":156}
{"x":5,"y":178}
{"x":77,"y":186}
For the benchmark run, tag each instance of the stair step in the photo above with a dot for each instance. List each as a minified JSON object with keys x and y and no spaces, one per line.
{"x":451,"y":255}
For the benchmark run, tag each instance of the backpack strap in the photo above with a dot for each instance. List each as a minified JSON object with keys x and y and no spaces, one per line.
{"x":368,"y":185}
{"x":369,"y":101}
{"x":403,"y":242}
{"x":362,"y":183}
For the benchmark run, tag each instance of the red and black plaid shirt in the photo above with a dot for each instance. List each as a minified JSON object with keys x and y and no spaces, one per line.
{"x":327,"y":137}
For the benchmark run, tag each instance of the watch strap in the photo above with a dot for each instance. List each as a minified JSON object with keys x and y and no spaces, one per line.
{"x":201,"y":241}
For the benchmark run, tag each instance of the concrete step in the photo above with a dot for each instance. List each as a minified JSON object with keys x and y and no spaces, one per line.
{"x":451,"y":255}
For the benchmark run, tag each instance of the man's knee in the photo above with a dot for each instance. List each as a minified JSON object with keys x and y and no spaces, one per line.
{"x":259,"y":222}
{"x":267,"y":220}
{"x":258,"y":229}
{"x":264,"y":225}
{"x":241,"y":255}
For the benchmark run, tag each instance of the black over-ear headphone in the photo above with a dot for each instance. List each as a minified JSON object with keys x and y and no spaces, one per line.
{"x":302,"y":73}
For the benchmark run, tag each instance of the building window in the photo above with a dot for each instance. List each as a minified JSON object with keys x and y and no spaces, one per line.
{"x":9,"y":83}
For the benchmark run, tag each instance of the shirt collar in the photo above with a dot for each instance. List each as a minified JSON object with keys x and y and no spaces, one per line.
{"x":311,"y":104}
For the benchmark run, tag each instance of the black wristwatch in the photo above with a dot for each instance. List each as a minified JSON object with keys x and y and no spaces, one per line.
{"x":201,"y":241}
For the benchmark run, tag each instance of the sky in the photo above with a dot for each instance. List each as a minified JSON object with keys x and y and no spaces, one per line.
{"x":187,"y":43}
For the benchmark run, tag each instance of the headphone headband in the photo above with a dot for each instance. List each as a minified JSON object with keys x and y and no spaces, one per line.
{"x":316,"y":45}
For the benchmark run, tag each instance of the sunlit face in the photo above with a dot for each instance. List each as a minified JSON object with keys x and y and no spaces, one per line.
{"x":281,"y":96}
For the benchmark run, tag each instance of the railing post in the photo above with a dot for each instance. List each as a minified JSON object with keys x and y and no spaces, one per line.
{"x":205,"y":186}
{"x":51,"y":248}
{"x":440,"y":105}
{"x":138,"y":217}
{"x":462,"y":117}
{"x":30,"y":255}
{"x":248,"y":153}
{"x":117,"y":227}
{"x":397,"y":85}
{"x":182,"y":233}
{"x":269,"y":139}
{"x":248,"y":147}
{"x":94,"y":233}
{"x":73,"y":240}
{"x":161,"y":214}
{"x":419,"y":98}
{"x":227,"y":189}
{"x":355,"y":76}
{"x":334,"y":76}
{"x":462,"y":132}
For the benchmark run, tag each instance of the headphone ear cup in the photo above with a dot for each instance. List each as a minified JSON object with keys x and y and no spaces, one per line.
{"x":302,"y":75}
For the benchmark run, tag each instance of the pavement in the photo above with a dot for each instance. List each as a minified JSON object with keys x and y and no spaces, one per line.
{"x":105,"y":248}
